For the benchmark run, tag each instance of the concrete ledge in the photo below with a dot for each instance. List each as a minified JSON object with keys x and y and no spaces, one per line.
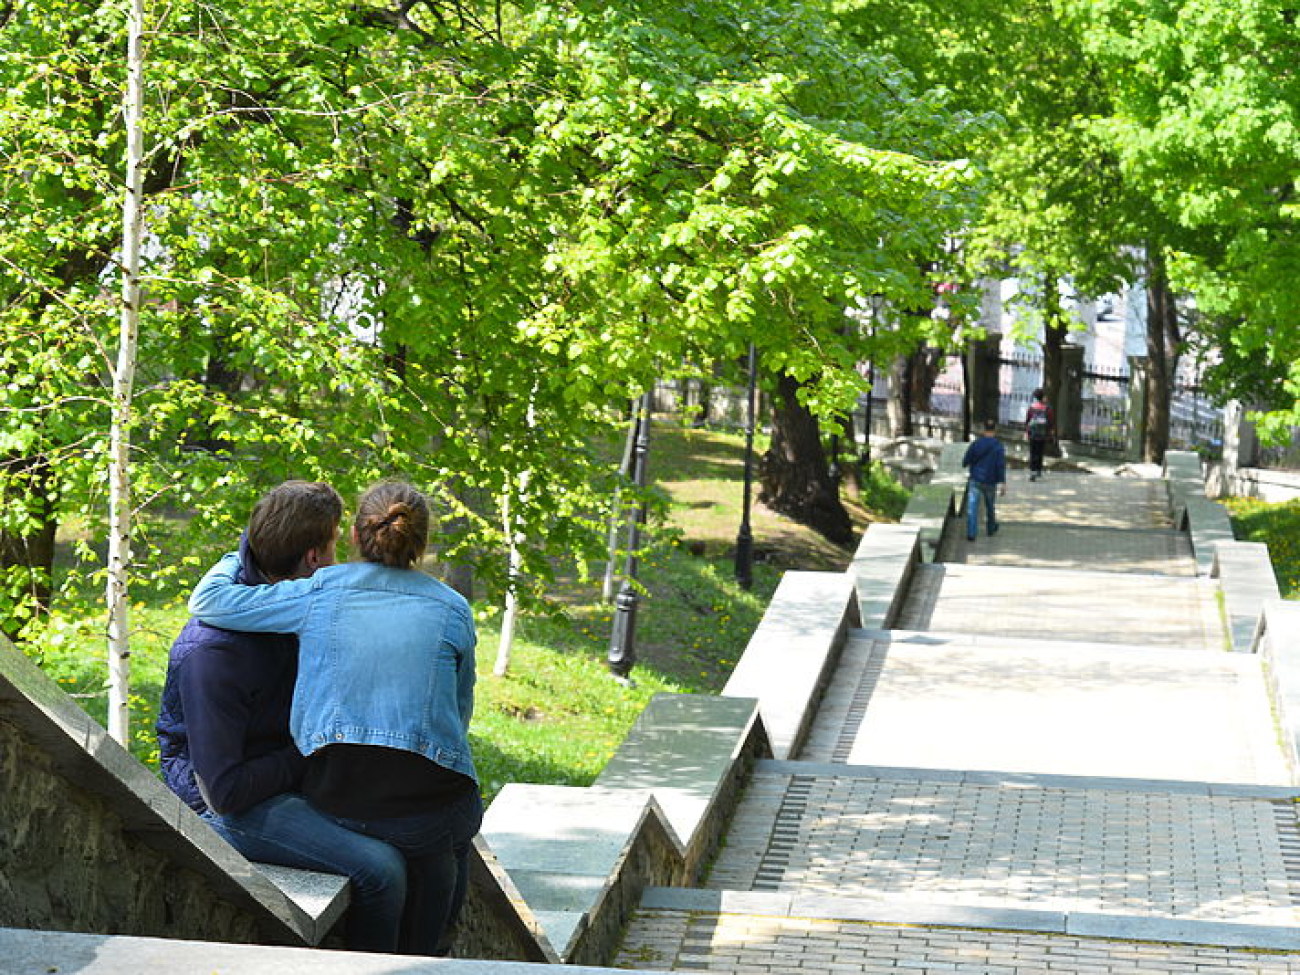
{"x":1277,"y":639}
{"x":580,"y":859}
{"x":321,"y":896}
{"x":1208,"y":524}
{"x":930,"y":509}
{"x":793,"y":653}
{"x":52,"y":752}
{"x":1080,"y":924}
{"x":90,"y":954}
{"x":495,"y":921}
{"x":1184,"y":479}
{"x":1245,"y":575}
{"x":693,"y":752}
{"x":949,"y":469}
{"x":881,"y":570}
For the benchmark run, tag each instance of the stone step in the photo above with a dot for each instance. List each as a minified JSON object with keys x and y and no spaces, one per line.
{"x":24,"y":952}
{"x":737,"y":932}
{"x":997,"y":841}
{"x":941,"y":700}
{"x":1077,"y":499}
{"x":1019,"y":543}
{"x":1043,"y":603}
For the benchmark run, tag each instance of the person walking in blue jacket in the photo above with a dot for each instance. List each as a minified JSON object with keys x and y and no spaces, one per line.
{"x":383,"y":699}
{"x":223,"y":727}
{"x":986,"y":460}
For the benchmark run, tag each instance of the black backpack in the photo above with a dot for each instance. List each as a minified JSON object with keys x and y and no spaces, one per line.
{"x":1036,"y":421}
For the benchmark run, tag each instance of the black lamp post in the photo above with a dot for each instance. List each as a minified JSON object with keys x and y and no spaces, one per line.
{"x":864,"y":457}
{"x":745,"y":537}
{"x":622,"y":640}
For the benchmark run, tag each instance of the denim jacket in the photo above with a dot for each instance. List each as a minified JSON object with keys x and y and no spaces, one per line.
{"x":386,"y":656}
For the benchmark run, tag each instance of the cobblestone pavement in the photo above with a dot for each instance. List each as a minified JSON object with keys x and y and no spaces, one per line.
{"x":1051,"y":765}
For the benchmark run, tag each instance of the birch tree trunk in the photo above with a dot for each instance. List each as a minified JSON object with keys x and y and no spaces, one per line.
{"x":119,"y":479}
{"x":514,"y":538}
{"x":507,"y":642}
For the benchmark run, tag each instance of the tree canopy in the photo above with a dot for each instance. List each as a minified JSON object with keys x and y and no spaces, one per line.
{"x":447,"y":240}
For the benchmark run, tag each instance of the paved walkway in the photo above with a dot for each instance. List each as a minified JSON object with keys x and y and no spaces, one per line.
{"x":1051,"y":765}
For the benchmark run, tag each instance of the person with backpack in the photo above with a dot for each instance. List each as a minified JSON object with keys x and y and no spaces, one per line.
{"x":1039,"y":428}
{"x":987,"y":460}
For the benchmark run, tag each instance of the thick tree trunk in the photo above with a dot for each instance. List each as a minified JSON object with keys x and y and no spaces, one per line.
{"x":1055,"y":328}
{"x":793,"y":474}
{"x":1162,"y":359}
{"x":899,"y":404}
{"x":924,"y":366}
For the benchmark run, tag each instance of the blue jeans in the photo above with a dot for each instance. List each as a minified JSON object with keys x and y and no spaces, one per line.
{"x":974,"y":490}
{"x":289,"y":831}
{"x":436,"y":845}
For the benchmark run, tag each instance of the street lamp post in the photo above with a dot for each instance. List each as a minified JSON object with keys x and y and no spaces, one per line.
{"x":745,"y":537}
{"x":864,"y":456}
{"x":622,"y":640}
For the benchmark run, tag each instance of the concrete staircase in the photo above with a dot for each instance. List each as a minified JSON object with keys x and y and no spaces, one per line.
{"x":1048,"y":761}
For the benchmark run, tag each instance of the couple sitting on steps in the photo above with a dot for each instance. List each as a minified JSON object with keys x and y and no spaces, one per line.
{"x":316,"y":715}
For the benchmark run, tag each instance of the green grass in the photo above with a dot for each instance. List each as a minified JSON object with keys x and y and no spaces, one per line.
{"x":556,"y":716}
{"x":1277,"y":525}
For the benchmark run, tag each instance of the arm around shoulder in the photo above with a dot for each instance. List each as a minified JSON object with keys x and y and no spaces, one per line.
{"x":219,"y":600}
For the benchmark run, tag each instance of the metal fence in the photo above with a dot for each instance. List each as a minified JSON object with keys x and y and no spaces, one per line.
{"x":1194,"y":422}
{"x":1103,"y":399}
{"x":1104,"y":407}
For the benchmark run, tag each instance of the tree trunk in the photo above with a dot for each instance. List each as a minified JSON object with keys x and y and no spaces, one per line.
{"x":899,"y":404}
{"x":1162,"y":358}
{"x":119,"y":451}
{"x":924,"y":366}
{"x":793,"y":474}
{"x":1055,"y":328}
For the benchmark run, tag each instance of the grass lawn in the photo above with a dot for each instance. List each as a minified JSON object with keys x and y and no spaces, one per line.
{"x":556,"y":717}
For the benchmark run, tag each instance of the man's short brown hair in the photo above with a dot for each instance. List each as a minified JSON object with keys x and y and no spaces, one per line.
{"x":288,"y":521}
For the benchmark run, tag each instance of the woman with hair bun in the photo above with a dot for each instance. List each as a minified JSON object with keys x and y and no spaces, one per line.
{"x":383,"y":700}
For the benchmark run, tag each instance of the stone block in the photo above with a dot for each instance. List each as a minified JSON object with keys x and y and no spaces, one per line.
{"x":793,"y":652}
{"x":692,"y":752}
{"x":881,"y":570}
{"x":580,"y":859}
{"x":1246,"y":578}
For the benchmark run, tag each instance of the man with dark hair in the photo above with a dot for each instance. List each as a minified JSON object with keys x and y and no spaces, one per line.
{"x":987,"y":460}
{"x":223,"y":728}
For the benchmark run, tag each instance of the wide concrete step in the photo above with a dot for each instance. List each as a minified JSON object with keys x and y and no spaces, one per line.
{"x":997,"y":841}
{"x":735,"y":932}
{"x":1160,"y":551}
{"x":1052,"y":603}
{"x":1087,"y":499}
{"x":949,"y":701}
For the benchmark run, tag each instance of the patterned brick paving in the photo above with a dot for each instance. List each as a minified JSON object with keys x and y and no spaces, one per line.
{"x":1156,"y":853}
{"x":689,"y":941}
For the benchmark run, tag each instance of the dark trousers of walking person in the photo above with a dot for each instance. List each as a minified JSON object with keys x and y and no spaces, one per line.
{"x":974,"y":492}
{"x":1037,"y":448}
